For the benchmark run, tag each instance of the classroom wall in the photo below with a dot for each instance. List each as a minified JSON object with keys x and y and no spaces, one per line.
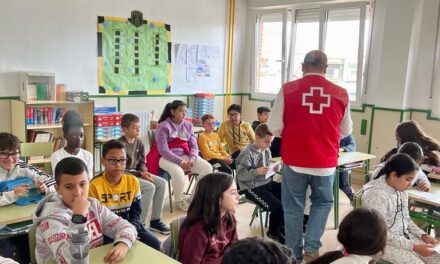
{"x":61,"y":37}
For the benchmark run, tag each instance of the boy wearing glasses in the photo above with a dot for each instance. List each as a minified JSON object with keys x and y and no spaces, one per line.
{"x":11,"y":167}
{"x":152,"y":186}
{"x":119,"y":191}
{"x":236,"y":132}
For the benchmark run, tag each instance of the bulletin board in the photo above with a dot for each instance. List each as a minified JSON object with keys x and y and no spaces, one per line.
{"x":133,"y":60}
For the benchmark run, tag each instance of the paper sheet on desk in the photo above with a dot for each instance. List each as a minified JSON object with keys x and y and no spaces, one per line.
{"x":437,"y":248}
{"x":425,"y":195}
{"x":271,"y":172}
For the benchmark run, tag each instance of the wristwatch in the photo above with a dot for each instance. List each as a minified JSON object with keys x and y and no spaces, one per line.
{"x":79,"y":219}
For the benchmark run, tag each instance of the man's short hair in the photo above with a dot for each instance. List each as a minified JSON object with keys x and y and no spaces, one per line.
{"x":9,"y":142}
{"x":234,"y":107}
{"x":262,"y":130}
{"x":315,"y":59}
{"x":70,"y":166}
{"x":206,"y":117}
{"x":112,"y":144}
{"x":263,"y":109}
{"x":129,"y":119}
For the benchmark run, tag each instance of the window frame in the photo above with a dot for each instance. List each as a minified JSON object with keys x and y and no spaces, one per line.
{"x":255,"y":46}
{"x":288,"y":46}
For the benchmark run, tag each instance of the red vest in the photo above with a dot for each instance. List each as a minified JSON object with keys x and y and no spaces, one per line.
{"x":313,"y":111}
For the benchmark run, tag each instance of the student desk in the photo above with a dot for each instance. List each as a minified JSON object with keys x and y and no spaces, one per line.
{"x":435,"y":190}
{"x":348,"y":161}
{"x":13,"y":213}
{"x":431,"y":203}
{"x":434,"y":176}
{"x":139,"y":253}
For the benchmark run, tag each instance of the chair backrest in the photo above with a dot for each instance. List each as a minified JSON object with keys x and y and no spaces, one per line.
{"x":32,"y":243}
{"x":36,"y":149}
{"x":175,"y":231}
{"x":151,"y":135}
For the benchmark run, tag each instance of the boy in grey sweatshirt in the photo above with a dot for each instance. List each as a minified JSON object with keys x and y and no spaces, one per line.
{"x":252,"y":168}
{"x":61,"y":215}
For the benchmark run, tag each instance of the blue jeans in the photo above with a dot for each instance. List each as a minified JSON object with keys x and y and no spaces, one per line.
{"x":344,"y":184}
{"x":293,"y":195}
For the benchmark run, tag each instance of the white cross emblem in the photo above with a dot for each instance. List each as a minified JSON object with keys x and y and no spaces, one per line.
{"x":316,"y":100}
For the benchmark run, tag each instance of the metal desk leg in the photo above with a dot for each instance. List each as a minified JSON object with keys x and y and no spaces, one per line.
{"x":336,"y":198}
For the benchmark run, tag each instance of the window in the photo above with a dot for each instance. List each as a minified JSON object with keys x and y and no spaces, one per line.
{"x":338,"y":29}
{"x":269,"y":48}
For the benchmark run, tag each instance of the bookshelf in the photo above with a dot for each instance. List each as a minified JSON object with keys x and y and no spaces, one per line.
{"x":46,"y":117}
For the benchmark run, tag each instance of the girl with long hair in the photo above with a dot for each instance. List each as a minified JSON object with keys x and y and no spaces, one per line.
{"x":177,"y":146}
{"x":210,"y":226}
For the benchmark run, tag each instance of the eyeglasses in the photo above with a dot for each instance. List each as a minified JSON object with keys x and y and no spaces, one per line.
{"x":117,"y":161}
{"x":13,"y":155}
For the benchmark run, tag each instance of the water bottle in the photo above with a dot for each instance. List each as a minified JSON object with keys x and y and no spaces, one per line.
{"x":79,"y":247}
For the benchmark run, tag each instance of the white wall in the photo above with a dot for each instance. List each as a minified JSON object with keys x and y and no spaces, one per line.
{"x":61,"y":36}
{"x":402,"y":53}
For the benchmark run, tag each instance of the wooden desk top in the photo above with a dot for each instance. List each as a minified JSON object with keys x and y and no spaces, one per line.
{"x":13,"y":213}
{"x":351,"y":157}
{"x":346,"y":157}
{"x":139,"y":253}
{"x":433,"y":175}
{"x":434,"y":196}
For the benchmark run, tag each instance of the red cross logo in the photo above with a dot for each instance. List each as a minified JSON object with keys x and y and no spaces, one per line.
{"x":316,"y":100}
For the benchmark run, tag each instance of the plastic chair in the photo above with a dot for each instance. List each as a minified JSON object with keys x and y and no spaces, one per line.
{"x":163,"y":174}
{"x":170,"y":246}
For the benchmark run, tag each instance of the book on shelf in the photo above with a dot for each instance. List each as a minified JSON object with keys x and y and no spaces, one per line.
{"x":39,"y":137}
{"x":44,"y":115}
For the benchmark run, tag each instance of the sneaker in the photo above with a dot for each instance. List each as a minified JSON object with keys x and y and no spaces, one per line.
{"x":183,"y":205}
{"x":310,"y":256}
{"x":159,"y":226}
{"x":277,"y":237}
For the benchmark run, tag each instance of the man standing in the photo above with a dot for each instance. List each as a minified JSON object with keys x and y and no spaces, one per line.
{"x":317,"y":115}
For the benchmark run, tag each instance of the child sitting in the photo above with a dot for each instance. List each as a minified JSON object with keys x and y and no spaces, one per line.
{"x":411,"y":131}
{"x":211,"y":147}
{"x":263,"y":114}
{"x":210,"y":226}
{"x":120,"y":191}
{"x":11,"y":167}
{"x":359,"y":244}
{"x":252,"y":167}
{"x":60,"y":215}
{"x":73,"y":132}
{"x":258,"y":251}
{"x":346,"y":144}
{"x":235,"y":132}
{"x":178,"y":148}
{"x":152,"y":186}
{"x":416,"y":153}
{"x":406,"y":242}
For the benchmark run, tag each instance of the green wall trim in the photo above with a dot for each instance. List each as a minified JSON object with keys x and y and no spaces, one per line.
{"x":10,"y":98}
{"x":370,"y":136}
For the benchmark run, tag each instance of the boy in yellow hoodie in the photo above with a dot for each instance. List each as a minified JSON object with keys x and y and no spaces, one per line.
{"x":236,"y":132}
{"x":211,"y":146}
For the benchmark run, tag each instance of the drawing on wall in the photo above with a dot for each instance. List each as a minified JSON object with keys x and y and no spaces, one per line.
{"x":197,"y":58}
{"x":134,"y":56}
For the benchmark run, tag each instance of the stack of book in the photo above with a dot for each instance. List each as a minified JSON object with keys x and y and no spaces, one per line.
{"x":44,"y":115}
